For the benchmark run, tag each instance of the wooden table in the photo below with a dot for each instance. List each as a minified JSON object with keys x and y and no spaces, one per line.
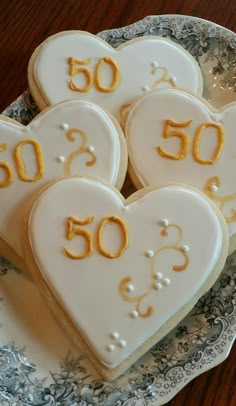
{"x":26,"y":23}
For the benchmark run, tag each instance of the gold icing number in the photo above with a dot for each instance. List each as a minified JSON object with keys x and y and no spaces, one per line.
{"x":20,"y":163}
{"x":169,"y":132}
{"x":218,"y":149}
{"x":7,"y":169}
{"x":20,"y":166}
{"x":184,"y":138}
{"x":123,"y":227}
{"x":72,"y":231}
{"x":74,"y":70}
{"x":80,"y":151}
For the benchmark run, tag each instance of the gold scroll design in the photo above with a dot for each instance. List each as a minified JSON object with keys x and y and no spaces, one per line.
{"x":177,"y":268}
{"x":163,"y":79}
{"x":220,"y":199}
{"x":83,"y":149}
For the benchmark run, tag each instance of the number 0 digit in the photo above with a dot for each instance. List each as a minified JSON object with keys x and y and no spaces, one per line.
{"x":116,"y":76}
{"x":123,"y":227}
{"x":219,"y":146}
{"x":20,"y":163}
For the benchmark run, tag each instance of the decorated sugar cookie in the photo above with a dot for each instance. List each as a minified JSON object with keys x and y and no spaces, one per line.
{"x":174,"y":136}
{"x":119,"y":275}
{"x":71,"y":138}
{"x":79,"y":65}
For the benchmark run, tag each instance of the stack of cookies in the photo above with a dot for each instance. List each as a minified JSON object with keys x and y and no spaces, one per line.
{"x":118,"y":274}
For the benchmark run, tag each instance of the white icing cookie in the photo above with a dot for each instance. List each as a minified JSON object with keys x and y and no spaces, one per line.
{"x":79,"y":65}
{"x":173,"y":136}
{"x":71,"y":138}
{"x":125,"y":272}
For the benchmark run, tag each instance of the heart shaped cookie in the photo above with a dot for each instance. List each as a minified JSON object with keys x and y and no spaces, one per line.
{"x":71,"y":138}
{"x":79,"y":65}
{"x":118,"y":275}
{"x":173,"y":136}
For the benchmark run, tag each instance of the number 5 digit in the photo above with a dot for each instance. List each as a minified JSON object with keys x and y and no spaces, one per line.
{"x":73,"y":232}
{"x":75,"y":71}
{"x":7,"y":169}
{"x":168,"y":132}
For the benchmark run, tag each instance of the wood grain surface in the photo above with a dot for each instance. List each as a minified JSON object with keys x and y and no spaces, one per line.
{"x":26,"y":23}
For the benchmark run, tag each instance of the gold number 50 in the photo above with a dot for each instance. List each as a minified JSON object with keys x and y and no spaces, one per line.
{"x":20,"y":165}
{"x":73,"y":231}
{"x":75,"y":70}
{"x":171,"y":129}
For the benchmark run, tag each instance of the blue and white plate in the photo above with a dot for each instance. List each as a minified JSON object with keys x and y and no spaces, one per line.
{"x":37,"y":364}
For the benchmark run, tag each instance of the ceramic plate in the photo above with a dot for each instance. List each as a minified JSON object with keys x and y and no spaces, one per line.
{"x":37,"y":364}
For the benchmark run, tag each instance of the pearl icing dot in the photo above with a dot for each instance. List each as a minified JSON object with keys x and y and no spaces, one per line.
{"x":130,"y":288}
{"x":134,"y":314}
{"x":122,"y":344}
{"x":110,"y":347}
{"x":154,"y":64}
{"x":149,"y":253}
{"x":115,"y":335}
{"x":158,"y":286}
{"x":185,"y":248}
{"x":164,"y":223}
{"x":61,"y":159}
{"x":91,"y":148}
{"x":173,"y":79}
{"x":145,"y":88}
{"x":166,"y":282}
{"x":65,"y":126}
{"x":213,"y":188}
{"x":158,"y":275}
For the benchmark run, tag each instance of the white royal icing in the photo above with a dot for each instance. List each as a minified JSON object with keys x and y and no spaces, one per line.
{"x":47,"y":131}
{"x":134,"y":60}
{"x":144,"y":132}
{"x":88,"y":288}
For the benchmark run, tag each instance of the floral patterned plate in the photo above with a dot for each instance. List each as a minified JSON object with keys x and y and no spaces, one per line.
{"x":37,"y":364}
